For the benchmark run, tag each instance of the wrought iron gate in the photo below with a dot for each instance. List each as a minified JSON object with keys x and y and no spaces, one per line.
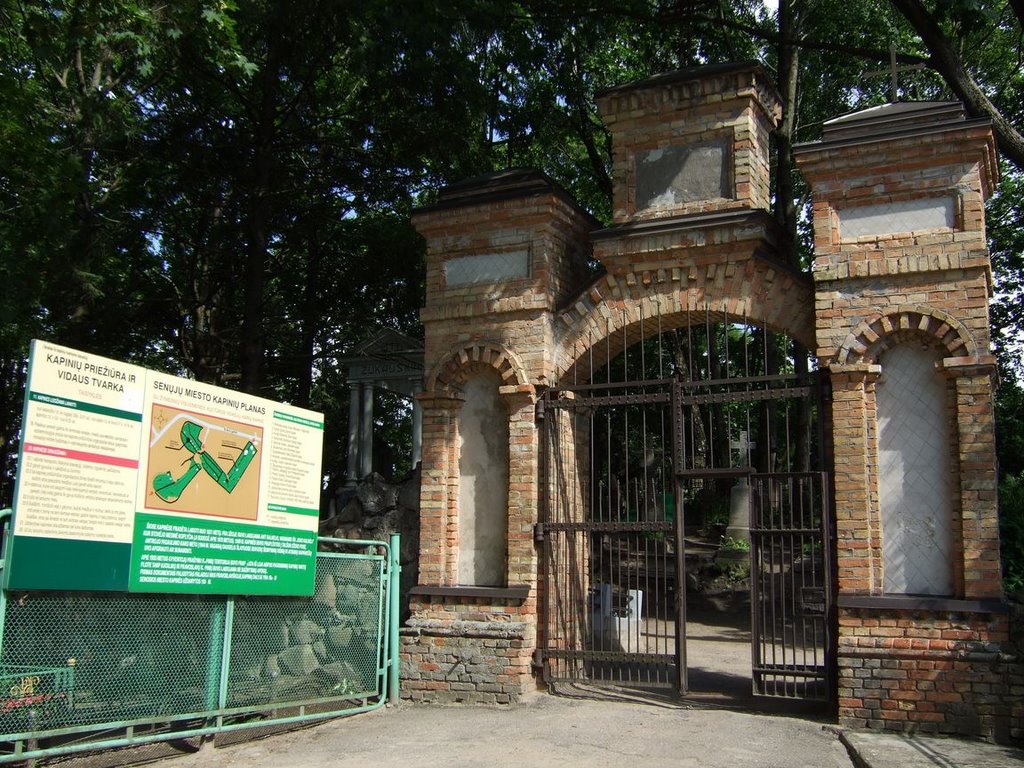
{"x":634,"y":468}
{"x":791,"y":586}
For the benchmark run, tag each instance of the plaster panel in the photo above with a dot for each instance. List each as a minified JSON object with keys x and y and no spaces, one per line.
{"x":914,"y":480}
{"x":483,"y":484}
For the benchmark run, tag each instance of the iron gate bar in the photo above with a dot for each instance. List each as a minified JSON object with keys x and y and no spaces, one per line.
{"x":638,"y":399}
{"x":748,"y":396}
{"x":606,"y":527}
{"x":793,"y":637}
{"x":727,"y":382}
{"x":661,"y":659}
{"x":589,"y":386}
{"x":682,"y":667}
{"x":712,"y":473}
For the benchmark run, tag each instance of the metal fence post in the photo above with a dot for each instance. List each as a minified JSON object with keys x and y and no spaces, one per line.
{"x":394,"y":571}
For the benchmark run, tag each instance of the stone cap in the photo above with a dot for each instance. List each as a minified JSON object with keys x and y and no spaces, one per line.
{"x":690,"y":74}
{"x":904,"y":122}
{"x":508,"y":184}
{"x":892,"y":121}
{"x":901,"y":116}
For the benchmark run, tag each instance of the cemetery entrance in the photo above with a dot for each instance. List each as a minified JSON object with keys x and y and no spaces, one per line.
{"x":688,"y":468}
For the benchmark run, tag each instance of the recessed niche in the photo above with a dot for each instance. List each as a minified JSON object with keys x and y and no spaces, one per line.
{"x":674,"y":176}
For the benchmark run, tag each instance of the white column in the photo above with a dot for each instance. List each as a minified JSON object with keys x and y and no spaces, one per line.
{"x":352,"y":467}
{"x":417,"y":428}
{"x":366,"y":432}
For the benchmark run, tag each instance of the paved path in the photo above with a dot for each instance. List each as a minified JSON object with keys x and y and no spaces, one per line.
{"x":548,"y":731}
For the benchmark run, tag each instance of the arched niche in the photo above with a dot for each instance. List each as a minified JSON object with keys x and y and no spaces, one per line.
{"x":483,"y":482}
{"x":915,"y":476}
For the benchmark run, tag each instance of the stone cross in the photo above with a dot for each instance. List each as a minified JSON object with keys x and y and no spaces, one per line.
{"x":743,"y":445}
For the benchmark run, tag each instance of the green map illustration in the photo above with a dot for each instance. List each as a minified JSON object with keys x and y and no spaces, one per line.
{"x":203,"y":464}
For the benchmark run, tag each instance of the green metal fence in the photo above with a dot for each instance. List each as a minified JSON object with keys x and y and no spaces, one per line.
{"x":89,"y":670}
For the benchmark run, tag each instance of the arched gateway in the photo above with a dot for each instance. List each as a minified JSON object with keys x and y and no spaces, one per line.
{"x":574,"y":429}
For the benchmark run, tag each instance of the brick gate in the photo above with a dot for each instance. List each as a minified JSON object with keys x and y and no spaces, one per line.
{"x":894,"y":309}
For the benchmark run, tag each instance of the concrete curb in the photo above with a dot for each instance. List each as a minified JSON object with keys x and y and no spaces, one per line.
{"x":884,"y":750}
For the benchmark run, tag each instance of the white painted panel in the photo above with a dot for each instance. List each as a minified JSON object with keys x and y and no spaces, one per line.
{"x":487,"y":268}
{"x":483,"y":484}
{"x":892,"y":218}
{"x":914,"y":482}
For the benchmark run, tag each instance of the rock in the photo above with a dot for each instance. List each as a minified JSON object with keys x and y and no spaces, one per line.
{"x":320,"y":650}
{"x":326,"y":591}
{"x":339,"y":674}
{"x":305,"y":631}
{"x":339,"y":637}
{"x":376,"y":495}
{"x":340,"y":500}
{"x":390,"y":522}
{"x":409,"y":491}
{"x":351,"y":513}
{"x":299,"y":660}
{"x":293,"y":687}
{"x":272,"y":668}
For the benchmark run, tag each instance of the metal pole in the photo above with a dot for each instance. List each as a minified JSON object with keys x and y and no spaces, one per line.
{"x":225,"y":663}
{"x":394,"y":571}
{"x":215,"y":656}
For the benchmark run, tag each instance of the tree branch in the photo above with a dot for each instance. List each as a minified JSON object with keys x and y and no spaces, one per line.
{"x":945,"y":61}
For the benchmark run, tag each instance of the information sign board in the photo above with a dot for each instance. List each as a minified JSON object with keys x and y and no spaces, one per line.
{"x":130,"y":479}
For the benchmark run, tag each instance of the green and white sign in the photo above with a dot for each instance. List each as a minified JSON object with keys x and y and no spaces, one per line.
{"x":129,"y":479}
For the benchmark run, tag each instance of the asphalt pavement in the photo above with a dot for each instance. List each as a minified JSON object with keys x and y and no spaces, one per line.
{"x":557,"y":731}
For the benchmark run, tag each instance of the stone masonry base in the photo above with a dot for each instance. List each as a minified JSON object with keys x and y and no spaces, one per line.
{"x":929,"y":672}
{"x":472,"y":662}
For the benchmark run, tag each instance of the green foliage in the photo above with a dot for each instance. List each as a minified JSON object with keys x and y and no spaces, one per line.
{"x":736,"y":545}
{"x":1011,"y":531}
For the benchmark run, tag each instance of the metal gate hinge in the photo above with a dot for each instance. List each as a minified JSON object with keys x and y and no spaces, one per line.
{"x":539,"y":410}
{"x":538,"y":532}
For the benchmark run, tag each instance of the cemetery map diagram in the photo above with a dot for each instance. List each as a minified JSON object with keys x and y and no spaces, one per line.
{"x":203,"y":465}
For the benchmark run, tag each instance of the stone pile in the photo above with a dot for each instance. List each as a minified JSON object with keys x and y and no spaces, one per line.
{"x":373,"y":510}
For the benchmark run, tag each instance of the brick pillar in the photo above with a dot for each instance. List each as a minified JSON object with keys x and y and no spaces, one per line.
{"x":522,"y":485}
{"x":439,"y":487}
{"x":858,"y":540}
{"x":975,"y":422}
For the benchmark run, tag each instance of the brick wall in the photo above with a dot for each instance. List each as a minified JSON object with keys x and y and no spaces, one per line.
{"x":468,"y":650}
{"x":734,"y":104}
{"x":905,"y":662}
{"x":926,"y":671}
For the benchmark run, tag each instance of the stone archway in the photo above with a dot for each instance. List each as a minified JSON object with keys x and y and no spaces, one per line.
{"x":619,"y":310}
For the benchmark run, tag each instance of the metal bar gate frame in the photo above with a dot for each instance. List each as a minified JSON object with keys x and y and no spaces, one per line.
{"x":87,"y":671}
{"x":614,"y":558}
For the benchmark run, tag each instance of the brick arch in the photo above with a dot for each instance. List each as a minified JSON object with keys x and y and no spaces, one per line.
{"x":455,"y":368}
{"x":620,"y":310}
{"x":879,"y":332}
